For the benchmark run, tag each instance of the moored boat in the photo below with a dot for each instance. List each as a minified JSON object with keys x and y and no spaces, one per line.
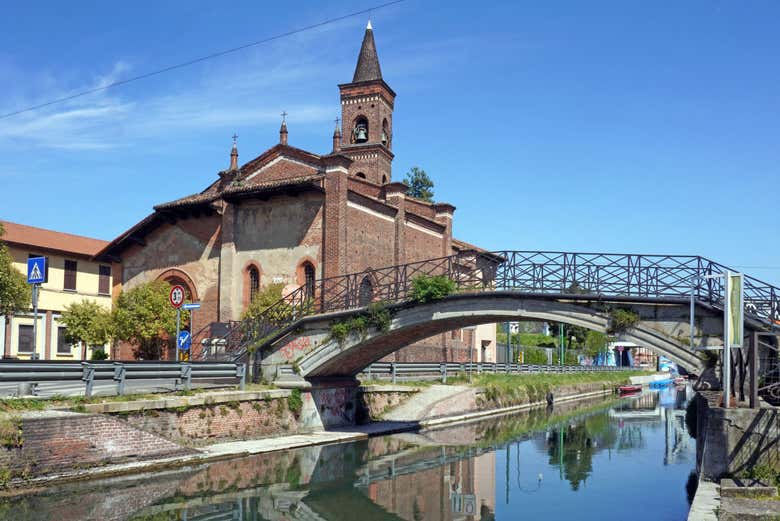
{"x":629,"y":389}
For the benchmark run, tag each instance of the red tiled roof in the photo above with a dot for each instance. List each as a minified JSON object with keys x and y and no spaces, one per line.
{"x":23,"y":235}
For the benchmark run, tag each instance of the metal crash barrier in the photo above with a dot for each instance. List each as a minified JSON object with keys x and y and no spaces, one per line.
{"x":440,"y":371}
{"x":29,"y":374}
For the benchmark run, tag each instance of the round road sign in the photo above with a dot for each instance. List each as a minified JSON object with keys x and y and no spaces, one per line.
{"x":177,"y":296}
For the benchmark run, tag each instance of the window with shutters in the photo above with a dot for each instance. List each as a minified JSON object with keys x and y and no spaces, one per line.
{"x":104,"y":283}
{"x":25,"y":342}
{"x":70,"y":275}
{"x":63,"y":346}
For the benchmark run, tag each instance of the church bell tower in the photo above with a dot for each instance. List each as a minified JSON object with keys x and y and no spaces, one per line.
{"x":367,"y":117}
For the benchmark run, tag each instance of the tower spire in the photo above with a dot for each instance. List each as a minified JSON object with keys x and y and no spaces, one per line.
{"x":337,"y":136}
{"x":283,"y":129}
{"x":367,"y":68}
{"x":234,"y":154}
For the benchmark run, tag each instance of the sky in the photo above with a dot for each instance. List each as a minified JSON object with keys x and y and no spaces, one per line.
{"x":611,"y":126}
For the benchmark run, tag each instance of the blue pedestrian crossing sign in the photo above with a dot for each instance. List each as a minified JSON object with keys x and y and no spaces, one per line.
{"x":36,"y":270}
{"x":184,"y":341}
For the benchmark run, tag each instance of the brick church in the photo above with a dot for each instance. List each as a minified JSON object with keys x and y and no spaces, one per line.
{"x":292,"y":216}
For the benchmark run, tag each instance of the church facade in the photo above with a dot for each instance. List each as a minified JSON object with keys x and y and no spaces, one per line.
{"x":291,"y":216}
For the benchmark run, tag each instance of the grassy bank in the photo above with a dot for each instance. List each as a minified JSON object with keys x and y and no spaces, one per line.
{"x":506,"y":390}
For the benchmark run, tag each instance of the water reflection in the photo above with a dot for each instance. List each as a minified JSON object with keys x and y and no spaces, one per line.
{"x":554,"y":463}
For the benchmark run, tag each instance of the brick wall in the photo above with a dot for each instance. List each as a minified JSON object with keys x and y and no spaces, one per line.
{"x":68,"y":441}
{"x":283,"y":169}
{"x":369,"y":240}
{"x":204,"y":424}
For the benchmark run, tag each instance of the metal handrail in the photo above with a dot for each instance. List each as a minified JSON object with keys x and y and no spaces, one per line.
{"x":550,"y":272}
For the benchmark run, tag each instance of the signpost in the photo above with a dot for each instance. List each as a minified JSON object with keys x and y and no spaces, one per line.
{"x":184,"y":341}
{"x":176,"y":298}
{"x":733,"y":326}
{"x":36,"y":275}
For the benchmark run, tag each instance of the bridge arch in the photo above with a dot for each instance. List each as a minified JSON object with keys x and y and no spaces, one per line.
{"x":658,"y":330}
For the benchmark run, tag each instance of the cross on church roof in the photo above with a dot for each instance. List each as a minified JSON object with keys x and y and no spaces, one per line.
{"x":337,"y":121}
{"x":284,"y":115}
{"x":235,"y":137}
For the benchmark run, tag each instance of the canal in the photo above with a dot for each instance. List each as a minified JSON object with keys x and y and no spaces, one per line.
{"x":622,"y":459}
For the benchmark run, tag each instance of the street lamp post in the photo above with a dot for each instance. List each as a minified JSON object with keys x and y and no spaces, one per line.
{"x":562,"y":346}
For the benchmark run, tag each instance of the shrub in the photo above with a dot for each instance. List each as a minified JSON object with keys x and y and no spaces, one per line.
{"x":10,"y":432}
{"x":295,"y":402}
{"x":534,"y":356}
{"x":339,"y":331}
{"x":99,"y":354}
{"x":267,"y":304}
{"x":621,"y":320}
{"x":427,"y":288}
{"x":379,"y":316}
{"x":375,"y":316}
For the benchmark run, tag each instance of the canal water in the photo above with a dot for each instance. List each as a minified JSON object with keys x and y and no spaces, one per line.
{"x":624,"y":460}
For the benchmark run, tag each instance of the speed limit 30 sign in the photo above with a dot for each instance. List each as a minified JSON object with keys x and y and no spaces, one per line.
{"x":177,"y":296}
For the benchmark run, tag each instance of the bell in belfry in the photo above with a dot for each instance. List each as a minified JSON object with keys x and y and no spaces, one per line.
{"x":361,"y":133}
{"x":384,"y":137}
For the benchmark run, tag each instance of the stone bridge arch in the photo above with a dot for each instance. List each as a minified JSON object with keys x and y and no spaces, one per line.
{"x":663,"y":328}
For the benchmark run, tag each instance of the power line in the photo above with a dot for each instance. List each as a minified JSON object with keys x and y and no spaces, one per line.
{"x":198,"y":60}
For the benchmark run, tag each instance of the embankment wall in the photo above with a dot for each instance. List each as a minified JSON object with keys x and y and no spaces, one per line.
{"x":729,"y":442}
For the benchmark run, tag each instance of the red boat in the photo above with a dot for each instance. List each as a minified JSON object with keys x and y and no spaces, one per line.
{"x":624,"y":390}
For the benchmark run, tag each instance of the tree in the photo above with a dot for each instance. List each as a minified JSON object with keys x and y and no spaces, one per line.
{"x":88,"y":323}
{"x":144,"y":317}
{"x":596,"y":342}
{"x":15,"y":293}
{"x":420,"y":185}
{"x":266,"y":298}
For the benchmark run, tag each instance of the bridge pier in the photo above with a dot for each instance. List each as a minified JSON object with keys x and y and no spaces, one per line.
{"x":327,"y":402}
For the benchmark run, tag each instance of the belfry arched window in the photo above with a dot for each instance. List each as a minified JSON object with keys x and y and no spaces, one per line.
{"x":254,"y":282}
{"x":386,"y":134}
{"x":360,"y":130}
{"x":361,"y":175}
{"x":308,"y":279}
{"x":366,"y":291}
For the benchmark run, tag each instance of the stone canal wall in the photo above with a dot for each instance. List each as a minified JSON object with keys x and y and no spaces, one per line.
{"x":729,"y":442}
{"x":375,"y":400}
{"x":52,"y":441}
{"x":46,"y":443}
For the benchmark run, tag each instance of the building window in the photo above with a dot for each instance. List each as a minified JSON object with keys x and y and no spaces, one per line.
{"x":361,"y":175}
{"x":104,"y":282}
{"x":25,"y":344}
{"x":70,"y":275}
{"x":366,"y":292}
{"x":384,"y":179}
{"x":254,"y":282}
{"x":308,"y":279}
{"x":63,"y":346}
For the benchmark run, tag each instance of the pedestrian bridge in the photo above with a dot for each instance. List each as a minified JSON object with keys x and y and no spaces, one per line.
{"x":581,"y":289}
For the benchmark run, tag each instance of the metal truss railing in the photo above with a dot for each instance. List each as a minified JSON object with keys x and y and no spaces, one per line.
{"x":560,"y":273}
